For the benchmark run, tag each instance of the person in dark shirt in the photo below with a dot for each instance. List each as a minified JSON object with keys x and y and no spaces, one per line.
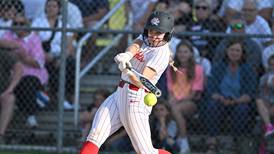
{"x":203,"y":22}
{"x":92,"y":10}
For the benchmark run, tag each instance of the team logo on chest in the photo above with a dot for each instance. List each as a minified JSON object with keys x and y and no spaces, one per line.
{"x":140,"y":56}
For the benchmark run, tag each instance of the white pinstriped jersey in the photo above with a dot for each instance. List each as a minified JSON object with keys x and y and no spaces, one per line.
{"x":156,"y":58}
{"x":126,"y":107}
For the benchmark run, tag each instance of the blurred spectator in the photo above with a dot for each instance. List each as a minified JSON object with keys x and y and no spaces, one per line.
{"x":141,"y":9}
{"x":11,"y":72}
{"x":117,"y":140}
{"x":164,"y":127}
{"x":268,"y":51}
{"x":203,"y":22}
{"x":92,"y":10}
{"x":266,"y":54}
{"x":230,"y":90}
{"x":265,"y":100}
{"x":162,"y":5}
{"x":252,"y":48}
{"x":230,"y":7}
{"x":34,"y":72}
{"x":51,"y":42}
{"x":9,"y":9}
{"x":87,"y":116}
{"x":33,"y":8}
{"x":184,"y":89}
{"x":204,"y":62}
{"x":181,"y":10}
{"x":255,"y":24}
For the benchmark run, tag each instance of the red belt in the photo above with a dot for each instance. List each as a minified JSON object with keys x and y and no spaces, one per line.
{"x":131,"y":86}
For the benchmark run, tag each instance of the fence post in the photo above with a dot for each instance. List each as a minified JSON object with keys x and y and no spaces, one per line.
{"x":62,"y":78}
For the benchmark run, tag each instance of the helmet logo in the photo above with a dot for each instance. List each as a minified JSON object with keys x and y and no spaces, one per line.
{"x":155,"y":21}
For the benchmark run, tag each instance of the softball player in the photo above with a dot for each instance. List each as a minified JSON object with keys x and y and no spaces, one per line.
{"x":149,"y":54}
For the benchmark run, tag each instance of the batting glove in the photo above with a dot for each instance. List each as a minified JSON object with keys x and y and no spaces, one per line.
{"x":122,"y":59}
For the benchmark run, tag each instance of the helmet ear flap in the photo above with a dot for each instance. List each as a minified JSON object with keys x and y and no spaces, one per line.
{"x":168,"y":36}
{"x":145,"y":33}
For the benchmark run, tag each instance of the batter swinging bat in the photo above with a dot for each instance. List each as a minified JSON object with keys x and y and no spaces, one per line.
{"x":151,"y":87}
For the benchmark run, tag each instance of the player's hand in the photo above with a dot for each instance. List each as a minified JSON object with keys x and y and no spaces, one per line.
{"x":123,"y":66}
{"x":128,"y":72}
{"x":122,"y":59}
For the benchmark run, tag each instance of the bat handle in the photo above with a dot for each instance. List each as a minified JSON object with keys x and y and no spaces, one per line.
{"x":158,"y":93}
{"x":128,"y":67}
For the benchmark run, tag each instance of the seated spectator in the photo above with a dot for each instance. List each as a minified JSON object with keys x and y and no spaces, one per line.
{"x":181,"y":11}
{"x":140,"y":14}
{"x":8,"y":10}
{"x":203,"y":22}
{"x":204,"y":62}
{"x":34,"y":74}
{"x":164,"y":127}
{"x":230,"y":7}
{"x":92,"y":10}
{"x":87,"y":116}
{"x":254,"y":23}
{"x":185,"y":87}
{"x":230,"y":90}
{"x":11,"y":72}
{"x":33,"y":8}
{"x":265,"y":100}
{"x":268,"y":51}
{"x":51,"y":42}
{"x":252,"y":48}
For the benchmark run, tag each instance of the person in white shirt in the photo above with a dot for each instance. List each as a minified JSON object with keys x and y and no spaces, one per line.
{"x":254,"y":23}
{"x":52,"y":46}
{"x":230,"y":7}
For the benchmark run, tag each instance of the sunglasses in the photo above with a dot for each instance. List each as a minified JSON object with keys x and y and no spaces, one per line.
{"x":19,"y":23}
{"x":201,"y":7}
{"x":237,"y":26}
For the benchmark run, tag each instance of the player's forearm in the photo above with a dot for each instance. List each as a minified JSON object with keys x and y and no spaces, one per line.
{"x":135,"y":81}
{"x":135,"y":47}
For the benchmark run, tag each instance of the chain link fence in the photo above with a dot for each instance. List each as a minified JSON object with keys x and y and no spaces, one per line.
{"x":228,"y":92}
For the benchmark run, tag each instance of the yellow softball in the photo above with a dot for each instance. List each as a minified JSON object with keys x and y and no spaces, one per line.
{"x":150,"y":99}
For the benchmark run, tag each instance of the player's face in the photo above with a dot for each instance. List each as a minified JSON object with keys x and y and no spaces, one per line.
{"x":235,"y":52}
{"x":184,"y":54}
{"x":155,"y":37}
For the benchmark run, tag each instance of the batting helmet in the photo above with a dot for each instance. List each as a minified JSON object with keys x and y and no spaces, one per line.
{"x":160,"y":21}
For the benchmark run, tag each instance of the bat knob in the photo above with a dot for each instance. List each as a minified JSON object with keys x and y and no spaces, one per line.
{"x":158,"y":93}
